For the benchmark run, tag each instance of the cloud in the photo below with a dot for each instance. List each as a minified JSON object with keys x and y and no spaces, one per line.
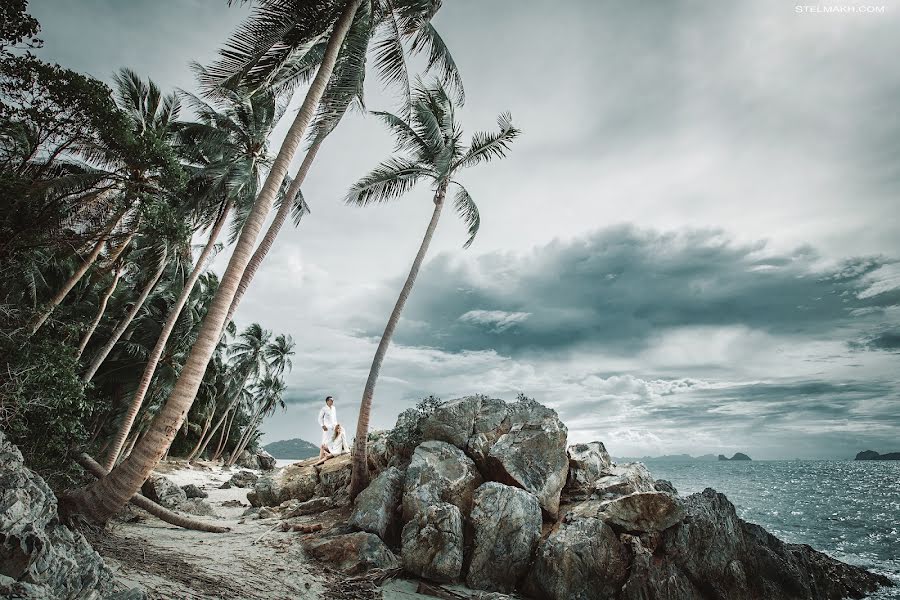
{"x":500,"y":320}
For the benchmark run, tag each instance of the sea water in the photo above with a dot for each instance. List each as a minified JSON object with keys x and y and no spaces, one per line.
{"x":847,"y":509}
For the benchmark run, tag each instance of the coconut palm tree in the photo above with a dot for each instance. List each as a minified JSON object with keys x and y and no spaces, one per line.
{"x":230,"y":149}
{"x":432,"y":150}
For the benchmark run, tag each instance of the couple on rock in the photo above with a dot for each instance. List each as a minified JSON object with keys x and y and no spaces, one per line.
{"x":334,"y":439}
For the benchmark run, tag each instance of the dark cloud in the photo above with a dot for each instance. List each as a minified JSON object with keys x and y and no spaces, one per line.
{"x":888,"y":340}
{"x":621,"y":287}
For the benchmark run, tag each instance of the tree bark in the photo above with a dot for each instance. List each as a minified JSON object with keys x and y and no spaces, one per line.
{"x":223,"y":440}
{"x":360,"y":475}
{"x":100,"y":310}
{"x":164,"y":514}
{"x":41,"y":317}
{"x":155,"y":354}
{"x":205,"y":439}
{"x":105,"y":497}
{"x":203,"y":433}
{"x":123,"y":325}
{"x":272,"y":232}
{"x":245,"y":439}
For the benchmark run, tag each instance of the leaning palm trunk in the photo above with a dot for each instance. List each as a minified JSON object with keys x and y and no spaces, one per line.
{"x":157,"y":352}
{"x":121,"y":327}
{"x":100,"y":310}
{"x":360,"y":475}
{"x":272,"y":232}
{"x":223,"y":439}
{"x":38,"y":320}
{"x":204,"y":441}
{"x":245,"y":439}
{"x":202,"y":437}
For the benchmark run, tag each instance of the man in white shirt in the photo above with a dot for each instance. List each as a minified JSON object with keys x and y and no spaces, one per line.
{"x":327,"y":421}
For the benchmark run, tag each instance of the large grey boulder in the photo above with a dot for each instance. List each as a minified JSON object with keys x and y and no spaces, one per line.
{"x":583,"y":559}
{"x":506,"y":525}
{"x":433,"y":543}
{"x":623,"y":480}
{"x":375,"y":509}
{"x":334,"y":476}
{"x":643,"y":512}
{"x":587,"y":463}
{"x":352,"y":553}
{"x":532,"y":455}
{"x":472,"y":424}
{"x":163,"y":491}
{"x":288,"y":483}
{"x":243,"y":479}
{"x":192,"y":490}
{"x":265,"y":460}
{"x":439,"y":472}
{"x":247,"y":460}
{"x":39,"y":556}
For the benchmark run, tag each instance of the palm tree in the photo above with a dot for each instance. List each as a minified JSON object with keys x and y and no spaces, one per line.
{"x":230,"y":148}
{"x":432,"y":150}
{"x":101,"y":308}
{"x":283,"y":31}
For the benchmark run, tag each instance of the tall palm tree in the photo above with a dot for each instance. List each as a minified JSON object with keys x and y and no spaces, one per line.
{"x":432,"y":150}
{"x":101,"y":308}
{"x":231,"y":149}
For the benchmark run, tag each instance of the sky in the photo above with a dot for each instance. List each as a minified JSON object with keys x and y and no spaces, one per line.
{"x":692,"y":248}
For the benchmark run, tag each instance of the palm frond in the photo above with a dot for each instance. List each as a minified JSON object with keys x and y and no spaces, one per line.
{"x":440,"y":59}
{"x":467,"y":211}
{"x":487,"y":146}
{"x":389,"y":180}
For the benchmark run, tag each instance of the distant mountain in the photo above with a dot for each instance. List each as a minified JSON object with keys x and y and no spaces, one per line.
{"x":667,"y":458}
{"x":872,"y":455}
{"x":292,"y":449}
{"x":737,"y":456}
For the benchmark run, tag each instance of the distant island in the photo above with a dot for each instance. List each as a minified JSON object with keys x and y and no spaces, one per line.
{"x":737,"y":456}
{"x":292,"y":449}
{"x":666,"y":458}
{"x":872,"y":455}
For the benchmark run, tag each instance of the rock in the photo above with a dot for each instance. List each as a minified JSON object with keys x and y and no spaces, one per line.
{"x":265,"y":461}
{"x":334,"y":476}
{"x":623,"y":480}
{"x":472,"y":424}
{"x":439,"y":472}
{"x":163,"y":491}
{"x":352,"y":553}
{"x":737,"y":456}
{"x":233,"y":504}
{"x":378,"y":452}
{"x":191,"y":490}
{"x":251,"y":511}
{"x":299,"y":509}
{"x":291,"y":482}
{"x":643,"y":512}
{"x":664,"y":485}
{"x":243,"y":479}
{"x":587,"y":463}
{"x":655,"y":577}
{"x":197,"y":506}
{"x":582,"y":559}
{"x":247,"y":460}
{"x":433,"y":543}
{"x":532,"y":455}
{"x":731,"y":558}
{"x":375,"y":509}
{"x":267,"y":513}
{"x":506,"y":525}
{"x":39,"y":556}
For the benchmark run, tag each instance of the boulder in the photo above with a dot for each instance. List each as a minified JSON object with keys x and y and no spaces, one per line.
{"x":587,"y":463}
{"x":310,"y":507}
{"x":623,"y":480}
{"x":196,"y":506}
{"x":506,"y":526}
{"x":39,"y":556}
{"x":532,"y":455}
{"x":352,"y":553}
{"x":192,"y":490}
{"x":472,"y":424}
{"x":439,"y":472}
{"x":581,"y":559}
{"x":664,"y":485}
{"x":655,"y":577}
{"x":290,"y":482}
{"x":375,"y":509}
{"x":163,"y":491}
{"x":334,"y":476}
{"x":243,"y":479}
{"x":247,"y":460}
{"x":643,"y":512}
{"x":433,"y":543}
{"x":378,"y":452}
{"x":265,"y":461}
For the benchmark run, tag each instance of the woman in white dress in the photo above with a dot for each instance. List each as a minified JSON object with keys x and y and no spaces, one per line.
{"x":335,"y":446}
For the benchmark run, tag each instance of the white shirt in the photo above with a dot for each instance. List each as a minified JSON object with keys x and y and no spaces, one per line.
{"x":328,"y":417}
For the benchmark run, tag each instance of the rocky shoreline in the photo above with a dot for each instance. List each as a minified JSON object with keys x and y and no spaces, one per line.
{"x":477,"y":498}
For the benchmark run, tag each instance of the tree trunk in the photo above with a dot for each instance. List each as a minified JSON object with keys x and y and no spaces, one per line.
{"x":100,"y":310}
{"x":153,"y":359}
{"x":245,"y":439}
{"x":223,"y":440}
{"x":205,"y":439}
{"x":272,"y":232}
{"x":163,"y":514}
{"x":102,"y":499}
{"x":123,"y":325}
{"x":41,"y":317}
{"x":203,"y":433}
{"x":360,"y":474}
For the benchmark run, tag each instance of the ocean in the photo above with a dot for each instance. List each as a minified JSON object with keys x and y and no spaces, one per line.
{"x":847,"y":509}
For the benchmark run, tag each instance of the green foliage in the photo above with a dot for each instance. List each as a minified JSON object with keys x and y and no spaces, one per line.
{"x":43,"y":407}
{"x":17,"y":27}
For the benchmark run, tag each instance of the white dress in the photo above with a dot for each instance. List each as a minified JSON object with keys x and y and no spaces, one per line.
{"x":338,"y":445}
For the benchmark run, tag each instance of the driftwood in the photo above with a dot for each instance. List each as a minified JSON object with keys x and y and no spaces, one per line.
{"x":301,"y":528}
{"x":163,"y":514}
